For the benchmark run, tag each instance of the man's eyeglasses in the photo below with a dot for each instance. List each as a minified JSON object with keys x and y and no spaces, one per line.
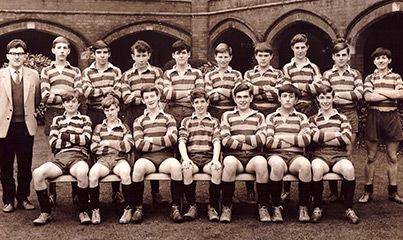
{"x":15,"y":54}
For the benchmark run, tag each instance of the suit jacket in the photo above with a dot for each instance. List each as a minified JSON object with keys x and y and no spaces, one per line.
{"x":32,"y":99}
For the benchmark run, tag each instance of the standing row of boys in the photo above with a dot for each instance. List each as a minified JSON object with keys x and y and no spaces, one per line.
{"x":251,"y":142}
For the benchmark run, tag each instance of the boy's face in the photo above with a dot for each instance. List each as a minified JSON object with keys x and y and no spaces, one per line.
{"x":243,"y":100}
{"x":150,"y":99}
{"x":16,"y":57}
{"x":287,"y":100}
{"x":141,"y":59}
{"x":200,"y":105}
{"x":300,"y":49}
{"x":181,"y":57}
{"x":223,"y":59}
{"x":71,"y":106}
{"x":102,"y":56}
{"x":341,"y":58}
{"x":61,"y":51}
{"x":263,"y":58}
{"x":382,"y":62}
{"x":325,"y":101}
{"x":111,"y":112}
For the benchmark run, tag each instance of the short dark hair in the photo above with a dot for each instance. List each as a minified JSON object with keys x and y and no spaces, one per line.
{"x":299,"y":38}
{"x":60,"y":39}
{"x":179,"y":46}
{"x":223,"y":48}
{"x":340,"y":44}
{"x":100,"y":44}
{"x":263,"y":47}
{"x":324,"y":89}
{"x":198,"y":93}
{"x":149,"y":88}
{"x":288,"y":88}
{"x":16,"y":43}
{"x":242,"y":87}
{"x":71,"y":94}
{"x":141,"y":47}
{"x":381,"y":52}
{"x":108,"y":101}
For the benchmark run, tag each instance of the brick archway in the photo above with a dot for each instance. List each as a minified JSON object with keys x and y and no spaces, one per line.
{"x":232,"y":23}
{"x":296,"y":16}
{"x":148,"y":26}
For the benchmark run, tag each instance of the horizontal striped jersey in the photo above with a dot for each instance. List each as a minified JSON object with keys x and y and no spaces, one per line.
{"x":72,"y":134}
{"x":252,"y":128}
{"x":222,"y":100}
{"x":307,"y":79}
{"x":96,"y":84}
{"x":133,"y":80}
{"x":374,"y":82}
{"x":350,"y":81}
{"x":290,"y":133}
{"x":323,"y":131}
{"x":162,"y":131}
{"x":51,"y":80}
{"x":112,"y":141}
{"x":174,"y":83}
{"x":199,"y":135}
{"x":265,"y":86}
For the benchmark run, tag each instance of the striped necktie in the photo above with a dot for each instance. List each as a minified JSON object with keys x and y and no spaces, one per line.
{"x":17,"y":77}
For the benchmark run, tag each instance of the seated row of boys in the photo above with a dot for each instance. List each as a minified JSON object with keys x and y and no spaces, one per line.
{"x":244,"y":132}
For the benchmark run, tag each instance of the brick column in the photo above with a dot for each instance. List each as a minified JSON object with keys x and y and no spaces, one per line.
{"x":200,"y":30}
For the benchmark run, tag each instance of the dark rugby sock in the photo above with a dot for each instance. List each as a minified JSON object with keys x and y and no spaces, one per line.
{"x":138,"y":192}
{"x":275,"y":191}
{"x":94,"y":197}
{"x":82,"y":199}
{"x":348,"y":191}
{"x":317,"y":191}
{"x":176,"y":191}
{"x":43,"y":199}
{"x":214,"y":190}
{"x":263,"y":193}
{"x":228,"y":189}
{"x":190,"y":193}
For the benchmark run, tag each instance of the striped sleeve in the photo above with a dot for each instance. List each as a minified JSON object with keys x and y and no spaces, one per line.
{"x":272,"y":142}
{"x":171,"y":136}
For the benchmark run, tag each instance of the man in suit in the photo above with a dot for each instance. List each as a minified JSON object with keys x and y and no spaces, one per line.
{"x":19,"y":96}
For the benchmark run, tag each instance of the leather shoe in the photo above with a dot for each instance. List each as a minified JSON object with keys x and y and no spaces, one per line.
{"x":396,"y":198}
{"x":8,"y":208}
{"x":25,"y":205}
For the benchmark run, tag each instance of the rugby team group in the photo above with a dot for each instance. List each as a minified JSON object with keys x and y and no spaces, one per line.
{"x":268,"y":122}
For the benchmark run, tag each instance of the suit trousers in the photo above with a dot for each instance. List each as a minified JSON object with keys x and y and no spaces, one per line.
{"x":18,"y":143}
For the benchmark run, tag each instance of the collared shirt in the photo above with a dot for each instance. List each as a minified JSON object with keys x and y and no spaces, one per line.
{"x":70,"y":134}
{"x":133,"y":80}
{"x":349,"y":81}
{"x":13,"y":73}
{"x":323,"y":130}
{"x":290,"y":133}
{"x":390,"y":81}
{"x":175,"y":82}
{"x":214,"y":80}
{"x":51,"y":79}
{"x":199,"y":135}
{"x":252,"y":127}
{"x":119,"y":134}
{"x":162,"y":130}
{"x":97,"y":84}
{"x":265,"y":86}
{"x":303,"y":78}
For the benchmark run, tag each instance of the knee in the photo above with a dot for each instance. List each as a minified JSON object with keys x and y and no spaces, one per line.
{"x":392,"y":158}
{"x":277,"y":170}
{"x":317,"y":171}
{"x":37,"y":174}
{"x":230,"y":164}
{"x":349,"y":173}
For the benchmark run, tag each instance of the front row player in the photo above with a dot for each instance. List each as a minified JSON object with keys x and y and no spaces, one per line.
{"x":243,"y":135}
{"x":155,"y":134}
{"x":70,"y":135}
{"x":111,"y":142}
{"x":200,"y":146}
{"x":331,"y":134}
{"x":287,"y":134}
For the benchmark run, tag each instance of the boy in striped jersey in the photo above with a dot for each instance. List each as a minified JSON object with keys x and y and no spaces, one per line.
{"x":265,"y":80}
{"x":70,"y":136}
{"x":179,"y":81}
{"x":155,"y":134}
{"x":331,"y":134}
{"x":348,"y":89}
{"x":200,"y":148}
{"x":56,"y":80}
{"x":220,"y":82}
{"x":382,"y":89}
{"x":111,"y":142}
{"x":142,"y":73}
{"x":306,"y":76}
{"x":287,"y":134}
{"x":99,"y":80}
{"x":243,"y":135}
